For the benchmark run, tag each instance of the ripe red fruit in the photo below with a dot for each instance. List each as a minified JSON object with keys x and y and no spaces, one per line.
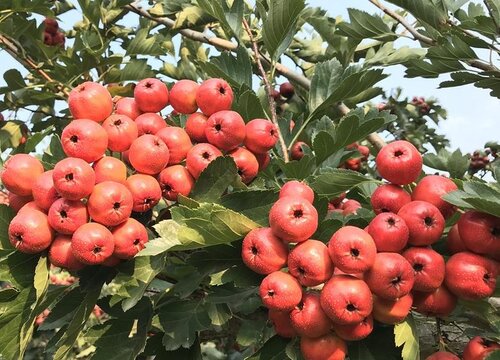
{"x":438,"y":303}
{"x":480,"y":233}
{"x":327,"y":347}
{"x":110,"y":203}
{"x":121,"y":130}
{"x":225,"y":129}
{"x":282,"y":323}
{"x":148,"y":154}
{"x":364,"y":151}
{"x":353,"y":164}
{"x":17,"y":202}
{"x":261,"y":136}
{"x":246,"y":163}
{"x":263,"y":252}
{"x":20,"y":172}
{"x":92,"y":243}
{"x":454,"y":242}
{"x":389,"y":198}
{"x":298,"y":189}
{"x":84,"y":139}
{"x":128,"y":107}
{"x":470,"y":276}
{"x":1,"y":117}
{"x":308,"y":318}
{"x":391,"y":311}
{"x":429,"y":268}
{"x":58,"y":38}
{"x":175,"y":180}
{"x":48,"y":39}
{"x":214,"y":95}
{"x":109,"y":168}
{"x":263,"y":160}
{"x":111,"y":261}
{"x":151,"y":95}
{"x":30,"y":232}
{"x":389,"y":231}
{"x":478,"y":348}
{"x":50,"y":25}
{"x":431,"y":188}
{"x":346,"y":299}
{"x":399,"y":162}
{"x":297,"y":150}
{"x":177,"y":141}
{"x":146,"y":192}
{"x":73,"y":178}
{"x":130,"y":237}
{"x":425,"y":222}
{"x":183,"y":96}
{"x":198,"y":158}
{"x":65,"y":216}
{"x":44,"y":192}
{"x":280,"y":291}
{"x":287,"y":90}
{"x":442,"y":355}
{"x":90,"y":100}
{"x":30,"y":206}
{"x":61,"y":255}
{"x":355,"y":332}
{"x":149,"y":123}
{"x":195,"y":127}
{"x":391,"y":276}
{"x":293,"y":219}
{"x":310,"y":263}
{"x":352,"y":249}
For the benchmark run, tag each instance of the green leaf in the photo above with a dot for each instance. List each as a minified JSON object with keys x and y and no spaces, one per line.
{"x":230,"y":17}
{"x":141,"y":44}
{"x":382,"y":337}
{"x":10,"y":134}
{"x":455,"y":163}
{"x":190,"y":16}
{"x":54,"y":153}
{"x":336,"y":181}
{"x":6,"y":216}
{"x":406,"y":335}
{"x":14,"y":80}
{"x":476,"y":195}
{"x":254,"y":204}
{"x":432,"y":12}
{"x":365,"y":26}
{"x":495,"y":355}
{"x":298,"y":169}
{"x":236,"y":70}
{"x":136,"y":69}
{"x":215,"y":180}
{"x":219,"y":313}
{"x":279,"y":26}
{"x":36,"y":138}
{"x":249,"y":106}
{"x":273,"y":349}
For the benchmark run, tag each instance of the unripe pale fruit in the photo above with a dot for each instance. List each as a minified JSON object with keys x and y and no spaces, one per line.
{"x":110,"y":203}
{"x":109,"y":168}
{"x":177,"y":141}
{"x":183,"y":96}
{"x":309,"y":262}
{"x":61,"y":255}
{"x":282,"y":323}
{"x":73,"y":178}
{"x":478,"y":348}
{"x":346,"y":299}
{"x":297,"y":150}
{"x":121,"y":130}
{"x":175,"y":180}
{"x":92,"y":244}
{"x":297,"y":189}
{"x":146,"y":192}
{"x":151,"y":95}
{"x":352,"y":249}
{"x":293,"y":219}
{"x":195,"y":127}
{"x":391,"y":311}
{"x":261,"y":136}
{"x":30,"y":232}
{"x":90,"y":101}
{"x":65,"y":216}
{"x":425,"y":222}
{"x":280,"y":291}
{"x":128,"y":107}
{"x":130,"y":237}
{"x":198,"y":158}
{"x":391,"y":276}
{"x":308,"y":318}
{"x":17,"y":202}
{"x":149,"y":123}
{"x":355,"y":332}
{"x":389,"y":231}
{"x":148,"y":154}
{"x":470,"y":276}
{"x":84,"y":139}
{"x":431,"y":188}
{"x":327,"y":347}
{"x":246,"y":163}
{"x":389,"y":198}
{"x":225,"y":130}
{"x":480,"y":233}
{"x":438,"y":303}
{"x":442,"y":355}
{"x":428,"y":266}
{"x":399,"y":162}
{"x":44,"y":192}
{"x":263,"y":252}
{"x":214,"y":95}
{"x":20,"y":172}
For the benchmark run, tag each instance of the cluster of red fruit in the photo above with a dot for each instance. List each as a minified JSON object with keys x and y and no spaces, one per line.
{"x":377,"y":273}
{"x":420,"y":103}
{"x":52,"y":36}
{"x":354,"y":163}
{"x":479,"y":160}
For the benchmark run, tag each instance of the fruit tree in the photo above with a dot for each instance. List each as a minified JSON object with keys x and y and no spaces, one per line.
{"x":228,"y":179}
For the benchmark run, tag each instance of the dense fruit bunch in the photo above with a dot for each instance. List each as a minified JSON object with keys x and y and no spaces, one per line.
{"x":52,"y":35}
{"x":332,"y":293}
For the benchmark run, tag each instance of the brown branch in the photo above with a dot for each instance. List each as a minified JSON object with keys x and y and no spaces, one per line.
{"x":269,"y":90}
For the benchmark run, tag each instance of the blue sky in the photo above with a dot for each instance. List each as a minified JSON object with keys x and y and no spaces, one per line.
{"x":472,"y":113}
